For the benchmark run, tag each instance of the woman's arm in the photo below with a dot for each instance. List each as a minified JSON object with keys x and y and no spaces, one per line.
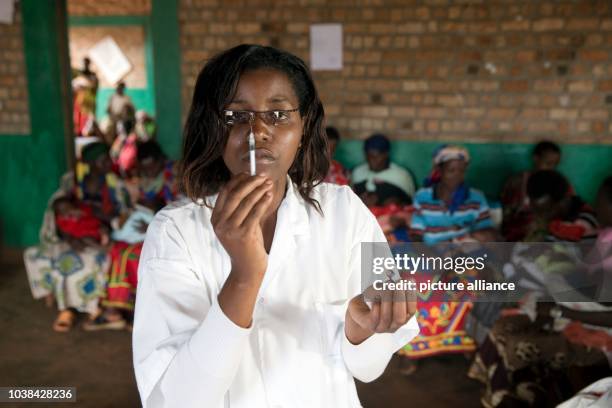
{"x":373,"y":334}
{"x":188,"y":343}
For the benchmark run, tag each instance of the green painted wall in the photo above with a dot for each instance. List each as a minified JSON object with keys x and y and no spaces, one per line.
{"x":31,"y":165}
{"x":167,"y":78}
{"x":142,"y":98}
{"x":585,"y":165}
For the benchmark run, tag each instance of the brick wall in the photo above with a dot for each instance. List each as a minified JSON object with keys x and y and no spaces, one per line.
{"x":14,"y":114}
{"x":108,"y":7}
{"x":130,"y":40}
{"x":494,"y":70}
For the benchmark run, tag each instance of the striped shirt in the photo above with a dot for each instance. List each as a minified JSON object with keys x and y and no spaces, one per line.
{"x":435,"y":223}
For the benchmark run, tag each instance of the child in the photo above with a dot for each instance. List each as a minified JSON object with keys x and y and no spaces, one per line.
{"x":77,"y":221}
{"x":517,"y":213}
{"x":557,"y":215}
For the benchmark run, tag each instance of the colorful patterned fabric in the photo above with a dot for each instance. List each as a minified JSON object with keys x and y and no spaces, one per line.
{"x":74,"y":278}
{"x":522,"y":364}
{"x":394,"y":221}
{"x":163,"y":187}
{"x":441,"y":155}
{"x":442,"y":331}
{"x":85,"y":225}
{"x":337,"y":174}
{"x":113,"y":197}
{"x":122,"y":277}
{"x":84,"y":106}
{"x":436,"y":223}
{"x":441,"y":318}
{"x":441,"y":322}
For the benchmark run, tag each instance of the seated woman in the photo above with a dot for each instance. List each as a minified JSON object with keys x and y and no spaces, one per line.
{"x":517,"y":213}
{"x":157,"y":187}
{"x":557,"y":215}
{"x":379,"y":181}
{"x":68,"y":268}
{"x":445,"y":210}
{"x":541,"y":355}
{"x":100,"y":188}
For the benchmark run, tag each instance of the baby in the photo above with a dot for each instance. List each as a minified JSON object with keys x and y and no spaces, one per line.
{"x":134,"y":229}
{"x":76,"y":221}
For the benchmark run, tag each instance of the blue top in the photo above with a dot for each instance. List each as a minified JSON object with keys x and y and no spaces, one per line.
{"x":436,"y":222}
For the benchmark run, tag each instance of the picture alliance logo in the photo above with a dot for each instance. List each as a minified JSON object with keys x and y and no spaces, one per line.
{"x":411,"y":264}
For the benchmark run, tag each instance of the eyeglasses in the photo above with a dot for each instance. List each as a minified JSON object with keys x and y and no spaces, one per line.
{"x":272,"y":117}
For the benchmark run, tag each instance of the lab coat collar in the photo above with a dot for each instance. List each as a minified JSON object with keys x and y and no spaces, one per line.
{"x":291,"y":220}
{"x":296,"y":207}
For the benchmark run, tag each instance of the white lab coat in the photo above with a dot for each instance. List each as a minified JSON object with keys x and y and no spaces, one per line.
{"x":187,"y":353}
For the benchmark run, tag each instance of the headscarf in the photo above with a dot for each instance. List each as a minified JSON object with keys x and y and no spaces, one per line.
{"x":378,"y":142}
{"x":444,"y":154}
{"x":93,"y":151}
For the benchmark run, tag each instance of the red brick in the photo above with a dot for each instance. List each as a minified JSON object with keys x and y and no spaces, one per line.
{"x":525,"y":56}
{"x":581,"y":86}
{"x":431,"y":112}
{"x":545,"y":85}
{"x":605,"y":86}
{"x":596,"y":114}
{"x":563,"y":114}
{"x":593,"y":55}
{"x":415,"y":86}
{"x":598,"y":127}
{"x":403,"y":111}
{"x":548,"y":24}
{"x":515,"y":25}
{"x":583,"y":24}
{"x":411,"y":28}
{"x":515,"y":86}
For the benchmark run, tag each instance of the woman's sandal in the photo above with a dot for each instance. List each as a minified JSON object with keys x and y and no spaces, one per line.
{"x":64,"y":321}
{"x":101,"y":322}
{"x":407,"y":367}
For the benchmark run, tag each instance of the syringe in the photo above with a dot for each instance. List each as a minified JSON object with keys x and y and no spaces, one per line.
{"x":252,"y":152}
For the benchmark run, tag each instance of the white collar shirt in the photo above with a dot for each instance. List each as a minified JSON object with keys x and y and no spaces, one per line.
{"x":295,"y":354}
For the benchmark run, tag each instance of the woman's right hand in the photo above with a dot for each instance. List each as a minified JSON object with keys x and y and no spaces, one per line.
{"x":236,"y":220}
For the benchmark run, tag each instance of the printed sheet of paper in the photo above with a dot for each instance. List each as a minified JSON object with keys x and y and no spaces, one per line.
{"x":7,"y":8}
{"x":110,"y":60}
{"x":326,"y":47}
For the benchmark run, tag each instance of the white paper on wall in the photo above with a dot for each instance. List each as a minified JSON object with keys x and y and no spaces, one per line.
{"x":7,"y":8}
{"x":110,"y":60}
{"x":326,"y":47}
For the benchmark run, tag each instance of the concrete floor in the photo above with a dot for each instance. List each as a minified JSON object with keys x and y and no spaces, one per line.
{"x":99,"y":364}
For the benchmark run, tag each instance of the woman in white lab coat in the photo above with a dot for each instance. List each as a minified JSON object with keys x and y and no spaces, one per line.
{"x":249,"y":292}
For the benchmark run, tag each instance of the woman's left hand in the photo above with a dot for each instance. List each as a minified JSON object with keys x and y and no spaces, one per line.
{"x":390,"y":311}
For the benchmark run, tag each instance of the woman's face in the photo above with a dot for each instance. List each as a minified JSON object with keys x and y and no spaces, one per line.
{"x":377,"y":160}
{"x":150,"y":168}
{"x":102,"y":164}
{"x":547,"y":161}
{"x":452,"y":173}
{"x":276,"y":146}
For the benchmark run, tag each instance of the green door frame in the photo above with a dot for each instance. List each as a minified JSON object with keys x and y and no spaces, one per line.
{"x":32,"y":164}
{"x":167,"y":63}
